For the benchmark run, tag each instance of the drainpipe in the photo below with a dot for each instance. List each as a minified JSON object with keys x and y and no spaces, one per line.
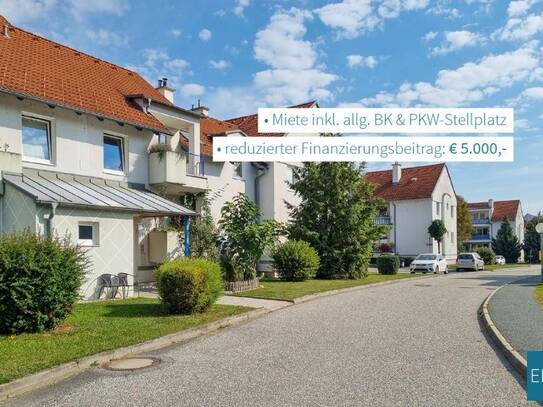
{"x":394,"y":225}
{"x":187,"y":235}
{"x":260,"y":171}
{"x":49,"y":220}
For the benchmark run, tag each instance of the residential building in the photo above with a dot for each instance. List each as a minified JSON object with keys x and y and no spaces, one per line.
{"x":487,"y":218}
{"x":415,"y":197}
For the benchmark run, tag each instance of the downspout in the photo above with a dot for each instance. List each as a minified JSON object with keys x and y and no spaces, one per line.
{"x":260,"y":171}
{"x":49,"y":220}
{"x":394,"y":226}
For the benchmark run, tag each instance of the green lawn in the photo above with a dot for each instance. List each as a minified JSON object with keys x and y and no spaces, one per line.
{"x":96,"y":327}
{"x":538,"y":293}
{"x":493,"y":267}
{"x":287,"y":290}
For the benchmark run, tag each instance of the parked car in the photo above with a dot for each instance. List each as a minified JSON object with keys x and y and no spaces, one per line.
{"x":429,"y":263}
{"x":471,"y":261}
{"x":500,"y":259}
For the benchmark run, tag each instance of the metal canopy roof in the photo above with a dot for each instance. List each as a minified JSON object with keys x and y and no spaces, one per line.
{"x":73,"y":190}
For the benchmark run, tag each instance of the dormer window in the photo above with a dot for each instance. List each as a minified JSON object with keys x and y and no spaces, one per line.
{"x":36,"y":139}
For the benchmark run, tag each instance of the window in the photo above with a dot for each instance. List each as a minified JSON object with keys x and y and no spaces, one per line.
{"x":238,"y":170}
{"x":88,"y":234}
{"x":438,"y":207}
{"x":291,"y":174}
{"x":452,"y":211}
{"x":452,"y":237}
{"x":113,"y":153}
{"x":36,"y":139}
{"x":162,"y":138}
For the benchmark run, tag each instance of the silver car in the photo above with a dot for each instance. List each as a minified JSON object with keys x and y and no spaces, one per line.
{"x":471,"y":261}
{"x":500,"y":259}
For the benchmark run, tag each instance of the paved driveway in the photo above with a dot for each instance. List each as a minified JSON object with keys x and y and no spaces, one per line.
{"x":414,"y":343}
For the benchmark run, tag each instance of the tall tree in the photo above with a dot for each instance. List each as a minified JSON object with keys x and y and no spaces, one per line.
{"x":464,"y":227}
{"x":506,"y":243}
{"x":532,"y":239}
{"x":336,"y":217}
{"x":437,"y":230}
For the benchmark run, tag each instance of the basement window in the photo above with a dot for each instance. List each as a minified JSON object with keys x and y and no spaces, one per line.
{"x":113,"y":154}
{"x":36,"y":139}
{"x":88,"y":234}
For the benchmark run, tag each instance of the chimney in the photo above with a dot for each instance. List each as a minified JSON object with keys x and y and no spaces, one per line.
{"x":200,"y":109}
{"x":396,"y":172}
{"x":165,"y":90}
{"x":5,"y":30}
{"x":491,"y":206}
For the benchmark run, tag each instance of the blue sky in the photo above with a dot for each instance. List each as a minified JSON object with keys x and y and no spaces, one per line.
{"x":237,"y":55}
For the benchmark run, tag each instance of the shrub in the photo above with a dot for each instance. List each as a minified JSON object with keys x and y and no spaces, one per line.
{"x":487,"y":254}
{"x":407,"y":260}
{"x":388,"y":264}
{"x":189,"y":285}
{"x":40,"y":280}
{"x":385,"y":248}
{"x":295,"y":260}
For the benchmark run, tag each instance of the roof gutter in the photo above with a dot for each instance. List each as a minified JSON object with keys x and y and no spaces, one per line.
{"x":78,"y":110}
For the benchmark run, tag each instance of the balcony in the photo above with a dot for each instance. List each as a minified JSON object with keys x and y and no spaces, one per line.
{"x":383,"y":220}
{"x":175,"y":172}
{"x":480,"y":237}
{"x":480,"y":221}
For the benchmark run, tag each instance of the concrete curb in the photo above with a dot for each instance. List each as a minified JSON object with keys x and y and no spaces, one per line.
{"x":514,"y":357}
{"x":66,"y":370}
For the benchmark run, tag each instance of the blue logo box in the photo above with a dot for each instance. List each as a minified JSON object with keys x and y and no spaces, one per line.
{"x":534,"y":376}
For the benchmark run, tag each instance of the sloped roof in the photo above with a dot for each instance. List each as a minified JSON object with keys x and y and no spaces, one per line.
{"x":415,"y":182}
{"x":41,"y":69}
{"x":249,"y":124}
{"x":78,"y":191}
{"x":209,"y":128}
{"x":502,"y":209}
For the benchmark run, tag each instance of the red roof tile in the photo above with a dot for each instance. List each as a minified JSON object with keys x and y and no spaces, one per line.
{"x":415,"y":182}
{"x":505,"y":209}
{"x":478,"y":205}
{"x":249,"y":124}
{"x":210,"y":127}
{"x":38,"y":68}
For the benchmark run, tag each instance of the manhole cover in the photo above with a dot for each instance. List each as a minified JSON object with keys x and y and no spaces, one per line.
{"x":134,"y":363}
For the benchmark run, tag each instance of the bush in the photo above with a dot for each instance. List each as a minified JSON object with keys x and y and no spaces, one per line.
{"x":388,"y":264}
{"x":40,"y":280}
{"x":487,"y":254}
{"x":295,"y":260}
{"x":189,"y":285}
{"x":407,"y":260}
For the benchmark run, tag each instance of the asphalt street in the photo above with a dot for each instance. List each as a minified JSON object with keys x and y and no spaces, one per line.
{"x":414,"y":343}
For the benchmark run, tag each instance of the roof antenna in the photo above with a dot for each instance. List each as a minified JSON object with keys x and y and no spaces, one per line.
{"x":198,"y":102}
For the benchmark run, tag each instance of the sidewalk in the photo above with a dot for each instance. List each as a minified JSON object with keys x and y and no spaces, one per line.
{"x":518,"y":316}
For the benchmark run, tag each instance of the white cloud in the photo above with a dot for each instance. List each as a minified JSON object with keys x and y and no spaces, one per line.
{"x":219,"y":65}
{"x":429,"y":36}
{"x":176,"y":33}
{"x":25,"y":10}
{"x":520,"y":7}
{"x":158,"y":64}
{"x":520,"y":28}
{"x":469,"y":83}
{"x":360,"y":61}
{"x":81,"y":7}
{"x":533,"y":93}
{"x":455,"y":40}
{"x":352,"y":18}
{"x":205,"y":34}
{"x":192,"y":89}
{"x":240,"y":7}
{"x":107,"y":38}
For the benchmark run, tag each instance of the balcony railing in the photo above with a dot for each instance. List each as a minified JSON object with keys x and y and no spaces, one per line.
{"x":480,"y":221}
{"x":480,"y":237}
{"x":177,"y":171}
{"x":195,"y":164}
{"x":383,"y":220}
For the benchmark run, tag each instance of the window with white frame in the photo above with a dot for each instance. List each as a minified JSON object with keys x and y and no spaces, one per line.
{"x":438,"y":207}
{"x":36,"y":139}
{"x":452,"y":237}
{"x":113,"y":153}
{"x":162,"y":138}
{"x":291,"y":174}
{"x":238,"y":170}
{"x":88,"y":233}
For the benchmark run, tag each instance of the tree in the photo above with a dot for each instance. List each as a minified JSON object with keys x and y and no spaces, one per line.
{"x":336,"y":216}
{"x":437,"y":230}
{"x":464,"y":227}
{"x":506,"y":243}
{"x":242,"y":239}
{"x":532,"y":239}
{"x":203,"y":234}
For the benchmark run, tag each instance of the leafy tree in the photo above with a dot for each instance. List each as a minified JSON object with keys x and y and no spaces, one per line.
{"x":506,"y":243}
{"x":437,"y":230}
{"x":532,"y":240}
{"x":336,"y":217}
{"x":242,"y":239}
{"x":203,"y":234}
{"x":464,"y":227}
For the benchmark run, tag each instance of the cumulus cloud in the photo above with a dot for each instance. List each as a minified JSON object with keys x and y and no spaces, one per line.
{"x":25,"y":10}
{"x":240,"y":7}
{"x":470,"y":82}
{"x":107,"y":38}
{"x":158,"y":64}
{"x":219,"y":65}
{"x":520,"y":7}
{"x":455,"y":40}
{"x":360,"y":61}
{"x":520,"y":28}
{"x":176,"y":33}
{"x":205,"y":35}
{"x":533,"y":93}
{"x":192,"y":89}
{"x":352,"y":18}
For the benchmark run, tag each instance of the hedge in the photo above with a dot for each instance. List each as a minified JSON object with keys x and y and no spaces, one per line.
{"x":295,"y":260}
{"x":389,"y":264}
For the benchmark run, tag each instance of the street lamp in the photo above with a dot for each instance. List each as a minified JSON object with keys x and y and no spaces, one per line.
{"x":539,"y":229}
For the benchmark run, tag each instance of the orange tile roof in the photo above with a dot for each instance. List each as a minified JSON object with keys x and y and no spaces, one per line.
{"x":502,"y":209}
{"x":415,"y":182}
{"x":210,"y":127}
{"x":249,"y":124}
{"x":38,"y":68}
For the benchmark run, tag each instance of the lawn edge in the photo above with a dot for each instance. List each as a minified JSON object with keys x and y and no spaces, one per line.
{"x":61,"y":372}
{"x":515,"y":358}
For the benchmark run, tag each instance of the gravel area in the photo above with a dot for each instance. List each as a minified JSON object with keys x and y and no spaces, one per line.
{"x":413,"y":343}
{"x":518,"y":316}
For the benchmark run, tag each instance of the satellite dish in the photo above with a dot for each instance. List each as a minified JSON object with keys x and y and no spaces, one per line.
{"x":539,"y":228}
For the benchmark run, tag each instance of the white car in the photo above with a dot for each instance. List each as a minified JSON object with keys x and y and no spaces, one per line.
{"x":470,"y":261}
{"x":500,"y":259}
{"x":429,"y":263}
